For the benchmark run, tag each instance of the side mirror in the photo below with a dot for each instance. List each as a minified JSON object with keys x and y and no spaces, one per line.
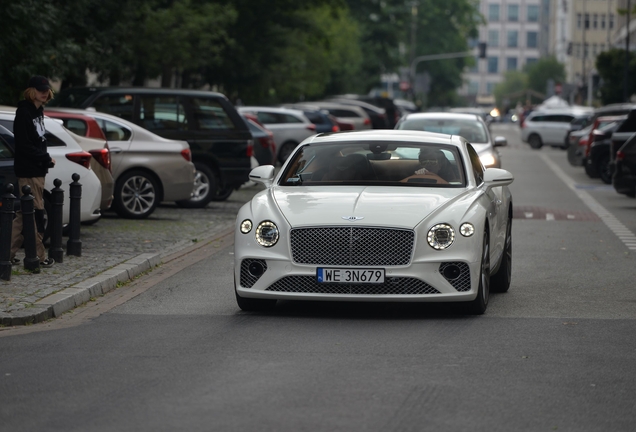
{"x":501,"y":141}
{"x":494,"y":177}
{"x":263,"y":174}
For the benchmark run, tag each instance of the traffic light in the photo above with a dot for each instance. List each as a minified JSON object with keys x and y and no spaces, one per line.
{"x":482,"y":49}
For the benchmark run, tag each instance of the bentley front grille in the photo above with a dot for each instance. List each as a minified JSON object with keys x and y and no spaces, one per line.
{"x":352,"y":246}
{"x":392,"y":285}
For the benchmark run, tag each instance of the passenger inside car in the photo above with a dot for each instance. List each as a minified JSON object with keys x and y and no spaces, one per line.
{"x":433,"y":165}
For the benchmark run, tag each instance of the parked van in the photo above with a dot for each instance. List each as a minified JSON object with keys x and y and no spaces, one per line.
{"x":220,"y":141}
{"x":550,"y":126}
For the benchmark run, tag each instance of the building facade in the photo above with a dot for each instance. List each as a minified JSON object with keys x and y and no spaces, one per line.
{"x":516,"y":33}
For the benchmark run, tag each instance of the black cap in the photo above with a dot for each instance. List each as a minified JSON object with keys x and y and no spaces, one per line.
{"x":40,"y":83}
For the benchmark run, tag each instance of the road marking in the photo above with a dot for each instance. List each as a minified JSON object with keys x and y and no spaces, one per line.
{"x":549,"y":216}
{"x":621,"y":231}
{"x":529,"y":215}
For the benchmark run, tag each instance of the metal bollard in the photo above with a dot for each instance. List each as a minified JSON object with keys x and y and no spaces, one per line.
{"x":55,"y":220}
{"x":6,"y":227}
{"x":74,"y":245}
{"x":31,"y":261}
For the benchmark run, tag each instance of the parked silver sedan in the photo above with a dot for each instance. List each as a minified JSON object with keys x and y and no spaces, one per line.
{"x":147,"y":168}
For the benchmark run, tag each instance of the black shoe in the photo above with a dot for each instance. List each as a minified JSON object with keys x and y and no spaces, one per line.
{"x":15,"y":261}
{"x":47,"y":263}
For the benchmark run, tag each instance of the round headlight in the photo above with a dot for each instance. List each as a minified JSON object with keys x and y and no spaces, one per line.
{"x":441,"y":236}
{"x":467,"y":229}
{"x":267,"y":234}
{"x":246,"y":226}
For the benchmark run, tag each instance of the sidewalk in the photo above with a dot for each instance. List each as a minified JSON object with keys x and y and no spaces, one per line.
{"x":114,"y":250}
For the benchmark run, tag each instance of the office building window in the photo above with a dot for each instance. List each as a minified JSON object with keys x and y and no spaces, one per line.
{"x":513,"y":38}
{"x":493,"y":38}
{"x":602,"y":21}
{"x":513,"y":12}
{"x":490,"y":87}
{"x":579,"y":20}
{"x":493,"y":65}
{"x":595,"y":21}
{"x":577,"y":50}
{"x":511,"y":63}
{"x":587,"y":21}
{"x":533,"y":13}
{"x":531,"y":39}
{"x":493,"y":12}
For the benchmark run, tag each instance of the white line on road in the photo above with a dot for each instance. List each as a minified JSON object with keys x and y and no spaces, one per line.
{"x":620,"y":230}
{"x":549,"y":216}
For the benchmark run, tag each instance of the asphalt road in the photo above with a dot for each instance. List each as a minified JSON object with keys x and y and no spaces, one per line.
{"x":173,"y":352}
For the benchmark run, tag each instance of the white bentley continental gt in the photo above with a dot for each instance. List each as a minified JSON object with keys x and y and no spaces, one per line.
{"x":380,"y":215}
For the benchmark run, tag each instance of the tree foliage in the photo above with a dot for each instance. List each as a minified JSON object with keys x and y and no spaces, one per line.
{"x":611,"y":69}
{"x":260,"y":51}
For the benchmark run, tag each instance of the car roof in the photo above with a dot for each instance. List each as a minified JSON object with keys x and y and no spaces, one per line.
{"x":271,"y":109}
{"x":388,"y":135}
{"x":145,"y":90}
{"x":442,"y":115}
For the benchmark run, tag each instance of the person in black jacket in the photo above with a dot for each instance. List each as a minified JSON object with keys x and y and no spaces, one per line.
{"x":32,"y":160}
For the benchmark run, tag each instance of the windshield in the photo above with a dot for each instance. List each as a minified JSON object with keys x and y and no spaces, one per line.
{"x":71,"y":98}
{"x":375,"y":163}
{"x":473,"y":130}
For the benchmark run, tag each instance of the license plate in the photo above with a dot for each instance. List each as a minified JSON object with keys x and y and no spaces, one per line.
{"x":355,"y":276}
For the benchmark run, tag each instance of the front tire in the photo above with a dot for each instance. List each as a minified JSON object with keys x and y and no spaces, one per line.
{"x":136,"y":195}
{"x":479,"y":305}
{"x":603,"y":169}
{"x":500,"y":281}
{"x":535,"y":141}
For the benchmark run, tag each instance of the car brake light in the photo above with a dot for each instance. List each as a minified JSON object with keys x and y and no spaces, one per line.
{"x":250,"y":148}
{"x":335,"y":128}
{"x":103,"y":157}
{"x":311,"y":127}
{"x":620,"y":156}
{"x":83,"y":158}
{"x":264,"y":142}
{"x":367,"y":121}
{"x":187,"y":154}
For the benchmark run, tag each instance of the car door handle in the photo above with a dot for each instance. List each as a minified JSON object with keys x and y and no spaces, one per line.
{"x":116,"y":150}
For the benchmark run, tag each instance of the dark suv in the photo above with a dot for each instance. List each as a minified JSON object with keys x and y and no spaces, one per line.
{"x":219,"y":139}
{"x":623,"y":156}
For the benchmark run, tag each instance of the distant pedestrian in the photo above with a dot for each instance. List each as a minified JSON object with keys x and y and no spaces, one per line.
{"x":32,"y":161}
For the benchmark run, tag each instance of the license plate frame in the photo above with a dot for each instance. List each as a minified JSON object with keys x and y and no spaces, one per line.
{"x":339,"y":275}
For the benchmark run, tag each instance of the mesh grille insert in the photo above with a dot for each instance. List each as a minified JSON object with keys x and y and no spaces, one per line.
{"x":462,"y":282}
{"x":395,"y":285}
{"x":247,"y":279}
{"x":352,"y":246}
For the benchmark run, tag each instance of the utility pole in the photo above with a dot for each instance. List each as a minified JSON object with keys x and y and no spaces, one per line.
{"x":626,"y":76}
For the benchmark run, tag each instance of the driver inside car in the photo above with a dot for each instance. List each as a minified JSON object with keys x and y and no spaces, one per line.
{"x":433,"y":166}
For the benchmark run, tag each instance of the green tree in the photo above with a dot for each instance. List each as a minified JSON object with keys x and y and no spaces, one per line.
{"x":611,"y":69}
{"x":511,"y":90}
{"x":539,"y":73}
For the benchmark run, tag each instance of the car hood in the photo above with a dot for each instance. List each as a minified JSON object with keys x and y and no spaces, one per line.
{"x":378,"y":206}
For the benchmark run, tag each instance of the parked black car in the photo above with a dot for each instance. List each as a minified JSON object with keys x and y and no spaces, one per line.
{"x":597,"y":162}
{"x":219,"y":138}
{"x":622,"y":156}
{"x":576,"y":124}
{"x":6,"y":161}
{"x":393,"y":113}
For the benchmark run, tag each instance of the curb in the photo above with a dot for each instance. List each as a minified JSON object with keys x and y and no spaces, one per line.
{"x":76,"y":295}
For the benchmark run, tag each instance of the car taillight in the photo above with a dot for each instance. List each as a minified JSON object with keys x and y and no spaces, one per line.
{"x":187,"y":154}
{"x":264,"y":142}
{"x":367,"y":121}
{"x":250,"y":148}
{"x":335,"y":128}
{"x":103,"y":157}
{"x":83,"y":158}
{"x":311,"y":127}
{"x":583,"y":141}
{"x":620,"y":156}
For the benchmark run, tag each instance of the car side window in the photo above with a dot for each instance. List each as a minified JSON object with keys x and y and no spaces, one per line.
{"x":76,"y":126}
{"x":53,"y":141}
{"x":267,"y":118}
{"x":114,"y":131}
{"x":120,"y":105}
{"x":5,"y":150}
{"x":537,"y":118}
{"x":629,"y":125}
{"x":343,"y":113}
{"x":478,"y":168}
{"x":162,"y":113}
{"x":288,"y":118}
{"x":209,"y":114}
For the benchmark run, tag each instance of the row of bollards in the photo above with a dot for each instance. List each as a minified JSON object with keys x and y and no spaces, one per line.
{"x":56,"y":252}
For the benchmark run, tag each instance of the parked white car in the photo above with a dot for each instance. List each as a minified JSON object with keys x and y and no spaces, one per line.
{"x":70,"y":158}
{"x":550,"y":126}
{"x":289,"y":126}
